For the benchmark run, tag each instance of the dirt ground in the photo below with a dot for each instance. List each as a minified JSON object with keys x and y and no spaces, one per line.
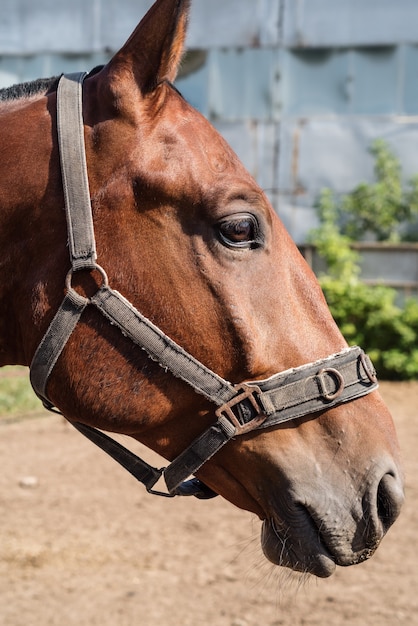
{"x":82,"y":544}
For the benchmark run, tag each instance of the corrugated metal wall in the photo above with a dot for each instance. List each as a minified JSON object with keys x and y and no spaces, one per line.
{"x":299,"y":88}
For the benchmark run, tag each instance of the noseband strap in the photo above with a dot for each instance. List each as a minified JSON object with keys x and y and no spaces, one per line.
{"x":242,"y":408}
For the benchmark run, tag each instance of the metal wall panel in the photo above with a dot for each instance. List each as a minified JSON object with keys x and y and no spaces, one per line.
{"x":194,"y":80}
{"x":272,"y":83}
{"x":27,"y":27}
{"x":234,"y":23}
{"x":410,"y":80}
{"x":244,"y":84}
{"x":118,"y":18}
{"x":365,"y":81}
{"x":15,"y":69}
{"x":30,"y":27}
{"x":394,"y":266}
{"x":235,"y":83}
{"x":315,"y":82}
{"x":334,"y":152}
{"x":79,"y":26}
{"x":10,"y":28}
{"x":256,"y":144}
{"x":376,"y":86}
{"x":329,"y":23}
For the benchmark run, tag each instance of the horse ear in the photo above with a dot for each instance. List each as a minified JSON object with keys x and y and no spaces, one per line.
{"x":155,"y":49}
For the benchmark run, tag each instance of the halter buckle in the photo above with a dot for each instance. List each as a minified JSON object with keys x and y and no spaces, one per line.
{"x":244,"y":393}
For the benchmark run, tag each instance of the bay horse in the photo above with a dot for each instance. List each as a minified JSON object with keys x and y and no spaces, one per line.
{"x":198,"y":285}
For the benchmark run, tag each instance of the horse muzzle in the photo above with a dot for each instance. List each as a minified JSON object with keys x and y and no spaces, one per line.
{"x":316,"y":532}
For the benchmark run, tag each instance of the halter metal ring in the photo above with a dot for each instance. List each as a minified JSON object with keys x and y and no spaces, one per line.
{"x":368,"y":368}
{"x":337,"y":377}
{"x":94,"y":268}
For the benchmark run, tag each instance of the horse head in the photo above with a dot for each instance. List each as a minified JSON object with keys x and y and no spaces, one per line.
{"x":191,"y":241}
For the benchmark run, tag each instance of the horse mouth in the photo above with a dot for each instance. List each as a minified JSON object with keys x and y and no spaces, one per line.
{"x":308,"y":555}
{"x":313,"y":550}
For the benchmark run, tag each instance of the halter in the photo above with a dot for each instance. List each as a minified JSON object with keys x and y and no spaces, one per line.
{"x":241,"y":408}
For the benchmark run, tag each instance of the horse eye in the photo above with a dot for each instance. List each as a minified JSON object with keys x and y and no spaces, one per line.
{"x":241,"y":231}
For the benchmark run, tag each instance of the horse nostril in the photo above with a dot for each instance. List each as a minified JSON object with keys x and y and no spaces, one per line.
{"x":390,"y":498}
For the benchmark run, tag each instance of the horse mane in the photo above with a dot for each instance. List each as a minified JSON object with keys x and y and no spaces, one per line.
{"x":40,"y":86}
{"x":29,"y":89}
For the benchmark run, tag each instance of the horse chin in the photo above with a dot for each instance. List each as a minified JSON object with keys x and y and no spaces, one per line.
{"x":313,"y":551}
{"x":308,"y":557}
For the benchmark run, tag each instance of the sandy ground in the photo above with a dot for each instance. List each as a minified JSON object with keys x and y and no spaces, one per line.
{"x":82,"y":543}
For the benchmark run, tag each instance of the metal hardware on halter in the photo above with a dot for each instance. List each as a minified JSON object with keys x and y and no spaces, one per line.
{"x":244,"y":392}
{"x":333,"y":374}
{"x":368,"y":368}
{"x":141,"y":470}
{"x":241,"y":409}
{"x":95,"y":267}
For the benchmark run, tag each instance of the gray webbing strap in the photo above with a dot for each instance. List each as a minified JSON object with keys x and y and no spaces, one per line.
{"x":74,"y":171}
{"x":120,"y":312}
{"x":161,"y":348}
{"x":311,"y":388}
{"x":141,"y":470}
{"x":299,"y":392}
{"x":81,"y":240}
{"x":196,"y":455}
{"x":53,"y":343}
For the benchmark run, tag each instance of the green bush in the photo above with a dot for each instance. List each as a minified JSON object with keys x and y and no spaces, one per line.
{"x":382,"y":209}
{"x":369,"y":316}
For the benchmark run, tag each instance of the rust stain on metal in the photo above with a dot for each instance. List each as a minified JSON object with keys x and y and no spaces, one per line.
{"x":298,"y":190}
